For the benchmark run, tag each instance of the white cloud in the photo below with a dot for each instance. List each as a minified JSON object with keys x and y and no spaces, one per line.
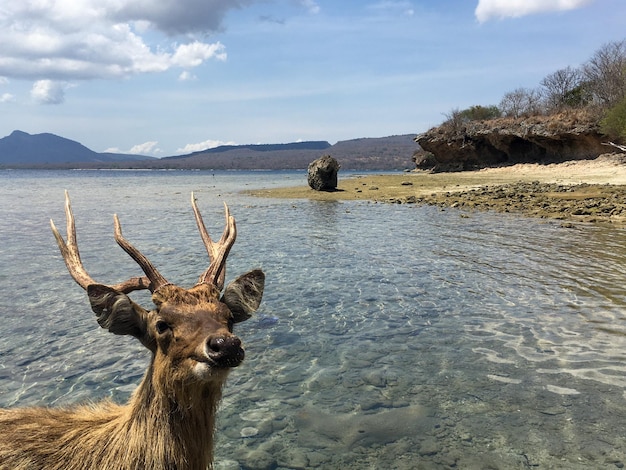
{"x":48,"y":92}
{"x":6,"y":97}
{"x":311,"y":6}
{"x":186,"y":76}
{"x":488,"y":9}
{"x":173,"y":17}
{"x":69,"y":40}
{"x":393,"y":6}
{"x":193,"y":54}
{"x":207,"y":144}
{"x":147,"y":148}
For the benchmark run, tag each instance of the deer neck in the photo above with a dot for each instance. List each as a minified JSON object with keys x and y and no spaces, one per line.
{"x":178,"y":420}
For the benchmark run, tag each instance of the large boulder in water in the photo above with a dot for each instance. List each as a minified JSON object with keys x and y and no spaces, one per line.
{"x":322,"y":174}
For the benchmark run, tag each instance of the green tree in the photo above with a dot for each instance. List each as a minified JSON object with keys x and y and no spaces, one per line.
{"x":456,"y":119}
{"x":480,"y":113}
{"x":578,"y":97}
{"x":562,"y":89}
{"x":614,"y":122}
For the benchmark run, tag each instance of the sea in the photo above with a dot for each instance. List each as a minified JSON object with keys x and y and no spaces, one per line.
{"x":390,"y":336}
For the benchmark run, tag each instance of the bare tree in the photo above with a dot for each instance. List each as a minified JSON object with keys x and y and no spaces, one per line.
{"x":454,"y":119}
{"x":559,"y":88}
{"x":606,"y":73}
{"x":521,"y":102}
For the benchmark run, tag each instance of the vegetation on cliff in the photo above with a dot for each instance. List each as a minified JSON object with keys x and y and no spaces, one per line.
{"x":613,"y":124}
{"x":568,"y":116}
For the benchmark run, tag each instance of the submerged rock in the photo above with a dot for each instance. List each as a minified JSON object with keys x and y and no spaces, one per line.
{"x":248,"y":431}
{"x":349,"y":430}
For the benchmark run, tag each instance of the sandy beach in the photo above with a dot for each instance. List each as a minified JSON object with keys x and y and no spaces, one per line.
{"x":592,"y":191}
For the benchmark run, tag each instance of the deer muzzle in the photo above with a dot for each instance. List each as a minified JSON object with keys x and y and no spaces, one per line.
{"x":225,"y":351}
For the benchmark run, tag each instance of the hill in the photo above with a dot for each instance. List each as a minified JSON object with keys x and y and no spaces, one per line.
{"x":29,"y":150}
{"x":22,"y":150}
{"x":383,"y":153}
{"x":376,"y":153}
{"x":308,"y":145}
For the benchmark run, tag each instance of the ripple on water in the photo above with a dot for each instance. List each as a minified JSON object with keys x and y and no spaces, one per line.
{"x":388,"y":334}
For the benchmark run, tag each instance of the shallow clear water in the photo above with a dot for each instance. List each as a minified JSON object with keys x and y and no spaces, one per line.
{"x":390,"y":336}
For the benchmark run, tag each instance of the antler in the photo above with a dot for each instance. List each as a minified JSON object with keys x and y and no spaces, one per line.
{"x":218,"y":252}
{"x":152,"y":280}
{"x":155,"y":277}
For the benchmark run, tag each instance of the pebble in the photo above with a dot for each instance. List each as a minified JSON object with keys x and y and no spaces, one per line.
{"x":429,"y":447}
{"x":293,"y":458}
{"x":249,"y":431}
{"x":260,"y":460}
{"x":226,"y":465}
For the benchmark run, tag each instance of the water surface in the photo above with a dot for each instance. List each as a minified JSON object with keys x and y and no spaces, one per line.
{"x":390,"y":336}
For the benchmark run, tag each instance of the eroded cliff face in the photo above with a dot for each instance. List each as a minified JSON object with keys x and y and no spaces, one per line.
{"x":507,"y":141}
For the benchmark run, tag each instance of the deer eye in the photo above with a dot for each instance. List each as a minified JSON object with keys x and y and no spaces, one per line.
{"x":162,"y":327}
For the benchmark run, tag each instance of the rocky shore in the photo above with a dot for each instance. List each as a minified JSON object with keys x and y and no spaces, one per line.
{"x":581,"y":203}
{"x":571,"y":135}
{"x":592,"y":191}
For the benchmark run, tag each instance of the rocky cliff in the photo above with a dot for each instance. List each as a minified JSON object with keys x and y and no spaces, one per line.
{"x":507,"y":141}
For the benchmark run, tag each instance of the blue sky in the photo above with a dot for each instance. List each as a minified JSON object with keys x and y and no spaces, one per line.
{"x":166,"y":77}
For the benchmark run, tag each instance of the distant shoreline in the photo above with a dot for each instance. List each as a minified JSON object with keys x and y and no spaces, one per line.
{"x":575,"y":191}
{"x":46,"y":151}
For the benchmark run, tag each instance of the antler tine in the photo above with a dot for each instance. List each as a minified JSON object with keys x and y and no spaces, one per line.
{"x":69,"y":250}
{"x":218,"y":252}
{"x":71,"y":256}
{"x":155,"y":278}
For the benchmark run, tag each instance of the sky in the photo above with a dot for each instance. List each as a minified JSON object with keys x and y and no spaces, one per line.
{"x":169,"y":77}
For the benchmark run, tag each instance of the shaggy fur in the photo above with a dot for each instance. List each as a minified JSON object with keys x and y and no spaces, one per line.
{"x":169,"y":421}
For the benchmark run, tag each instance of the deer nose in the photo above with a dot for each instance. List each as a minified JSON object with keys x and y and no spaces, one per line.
{"x":226,"y":351}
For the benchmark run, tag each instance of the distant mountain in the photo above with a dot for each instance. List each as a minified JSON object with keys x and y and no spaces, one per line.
{"x":308,"y":145}
{"x":23,"y":149}
{"x":376,"y":153}
{"x":383,"y":153}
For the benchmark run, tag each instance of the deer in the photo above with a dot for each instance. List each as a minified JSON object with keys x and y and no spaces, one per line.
{"x":168,"y":422}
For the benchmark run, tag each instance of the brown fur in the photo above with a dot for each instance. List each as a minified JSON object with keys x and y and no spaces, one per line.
{"x":159,"y":435}
{"x":169,"y":421}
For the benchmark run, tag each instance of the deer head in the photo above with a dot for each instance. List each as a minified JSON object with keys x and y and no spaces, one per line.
{"x":190,"y":331}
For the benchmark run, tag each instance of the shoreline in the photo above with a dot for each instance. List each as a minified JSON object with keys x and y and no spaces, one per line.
{"x":591,"y":191}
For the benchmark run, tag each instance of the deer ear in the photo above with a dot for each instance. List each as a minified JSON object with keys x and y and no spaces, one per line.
{"x":243,"y":295}
{"x":117,"y":313}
